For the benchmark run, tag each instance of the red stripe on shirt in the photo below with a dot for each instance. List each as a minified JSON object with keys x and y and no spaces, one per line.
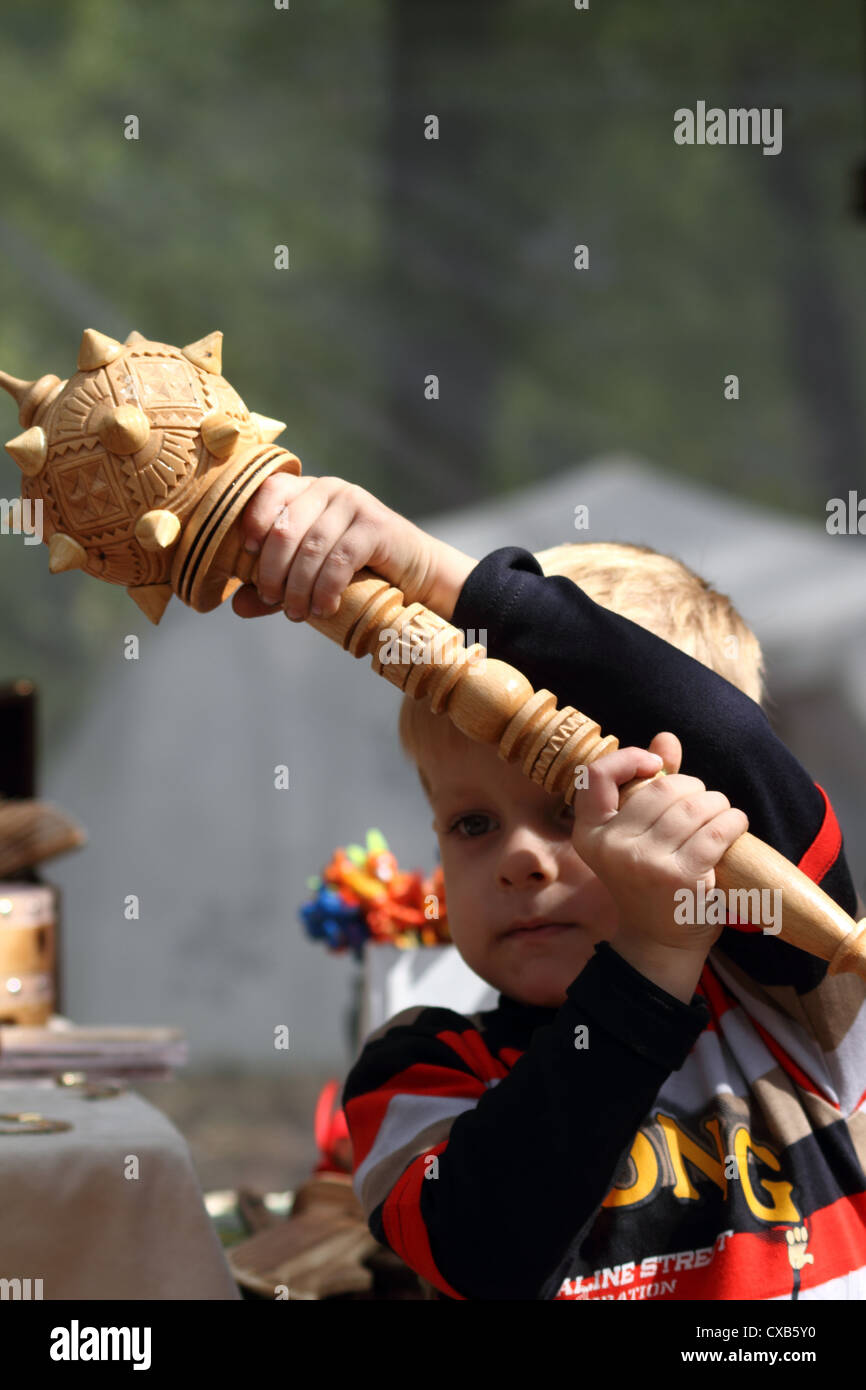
{"x":509,"y":1055}
{"x":824,"y":849}
{"x":717,"y":998}
{"x":719,"y":1001}
{"x":471,"y":1048}
{"x":365,"y":1113}
{"x":816,"y":862}
{"x":404,"y":1226}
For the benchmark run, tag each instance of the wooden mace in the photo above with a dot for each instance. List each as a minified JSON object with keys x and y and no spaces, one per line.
{"x":143,"y":462}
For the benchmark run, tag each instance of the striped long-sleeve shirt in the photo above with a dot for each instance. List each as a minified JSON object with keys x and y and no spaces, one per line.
{"x":690,"y":1151}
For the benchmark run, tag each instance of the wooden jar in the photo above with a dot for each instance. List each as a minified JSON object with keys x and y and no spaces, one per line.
{"x":28,"y":916}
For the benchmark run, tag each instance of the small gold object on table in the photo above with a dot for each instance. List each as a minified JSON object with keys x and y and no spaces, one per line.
{"x":90,"y":1090}
{"x":30,"y":1122}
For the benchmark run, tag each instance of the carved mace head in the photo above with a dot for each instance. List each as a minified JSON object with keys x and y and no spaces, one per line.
{"x":143,"y":461}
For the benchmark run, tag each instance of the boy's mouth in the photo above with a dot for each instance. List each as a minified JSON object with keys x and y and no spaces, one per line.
{"x":538,"y":929}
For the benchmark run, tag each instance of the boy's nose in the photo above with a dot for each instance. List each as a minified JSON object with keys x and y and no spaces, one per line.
{"x":527,"y":865}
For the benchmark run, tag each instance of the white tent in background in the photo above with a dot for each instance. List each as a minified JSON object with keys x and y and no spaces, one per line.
{"x":172,"y":769}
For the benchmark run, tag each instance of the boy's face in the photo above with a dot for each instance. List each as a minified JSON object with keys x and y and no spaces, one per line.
{"x":507,"y":857}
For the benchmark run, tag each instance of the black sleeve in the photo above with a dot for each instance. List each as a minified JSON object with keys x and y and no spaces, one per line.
{"x":634,"y":684}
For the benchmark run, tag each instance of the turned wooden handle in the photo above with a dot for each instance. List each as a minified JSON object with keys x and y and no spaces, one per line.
{"x":491,"y":702}
{"x":810,"y":918}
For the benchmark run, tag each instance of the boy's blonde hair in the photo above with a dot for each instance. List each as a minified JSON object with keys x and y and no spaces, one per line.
{"x":654,"y":590}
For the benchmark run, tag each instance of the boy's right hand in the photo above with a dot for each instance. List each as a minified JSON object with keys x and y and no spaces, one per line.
{"x":314,"y":534}
{"x":669,"y":834}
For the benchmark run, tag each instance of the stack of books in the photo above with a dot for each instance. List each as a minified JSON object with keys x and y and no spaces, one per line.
{"x":140,"y":1054}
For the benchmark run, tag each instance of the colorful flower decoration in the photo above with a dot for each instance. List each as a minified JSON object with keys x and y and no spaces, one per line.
{"x":363,"y":896}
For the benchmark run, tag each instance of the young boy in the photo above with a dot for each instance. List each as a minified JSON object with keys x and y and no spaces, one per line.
{"x":657,"y":1107}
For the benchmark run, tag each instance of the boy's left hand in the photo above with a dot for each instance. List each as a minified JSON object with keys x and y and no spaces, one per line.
{"x":668,"y":835}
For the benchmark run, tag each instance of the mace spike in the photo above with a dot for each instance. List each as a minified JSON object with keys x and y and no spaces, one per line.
{"x":152,"y":599}
{"x":123,"y":429}
{"x":268,"y":429}
{"x":29,"y":450}
{"x":64,"y":553}
{"x":96,"y":350}
{"x":31,"y":396}
{"x":206,"y":353}
{"x":157,"y":530}
{"x":15,"y":386}
{"x":134,"y":337}
{"x":220,"y":433}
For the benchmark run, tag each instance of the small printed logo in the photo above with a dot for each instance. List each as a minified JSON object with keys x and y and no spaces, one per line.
{"x":737,"y":126}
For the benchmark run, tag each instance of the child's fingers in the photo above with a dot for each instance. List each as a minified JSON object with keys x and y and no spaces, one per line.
{"x":350,"y":553}
{"x":669,"y":748}
{"x":247,"y":604}
{"x":334,"y":547}
{"x":599,"y":799}
{"x":266,"y":504}
{"x":645,"y":808}
{"x":692,"y":808}
{"x":299,"y":540}
{"x":700,"y":854}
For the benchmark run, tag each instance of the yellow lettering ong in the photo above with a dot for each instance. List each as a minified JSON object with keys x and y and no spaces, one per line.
{"x":783,"y":1208}
{"x":645,"y":1166}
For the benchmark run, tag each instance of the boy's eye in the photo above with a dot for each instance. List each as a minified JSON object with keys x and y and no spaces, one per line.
{"x":464,"y":820}
{"x":475,"y":817}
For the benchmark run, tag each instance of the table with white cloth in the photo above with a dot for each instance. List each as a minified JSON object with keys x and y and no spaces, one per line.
{"x":73,"y":1215}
